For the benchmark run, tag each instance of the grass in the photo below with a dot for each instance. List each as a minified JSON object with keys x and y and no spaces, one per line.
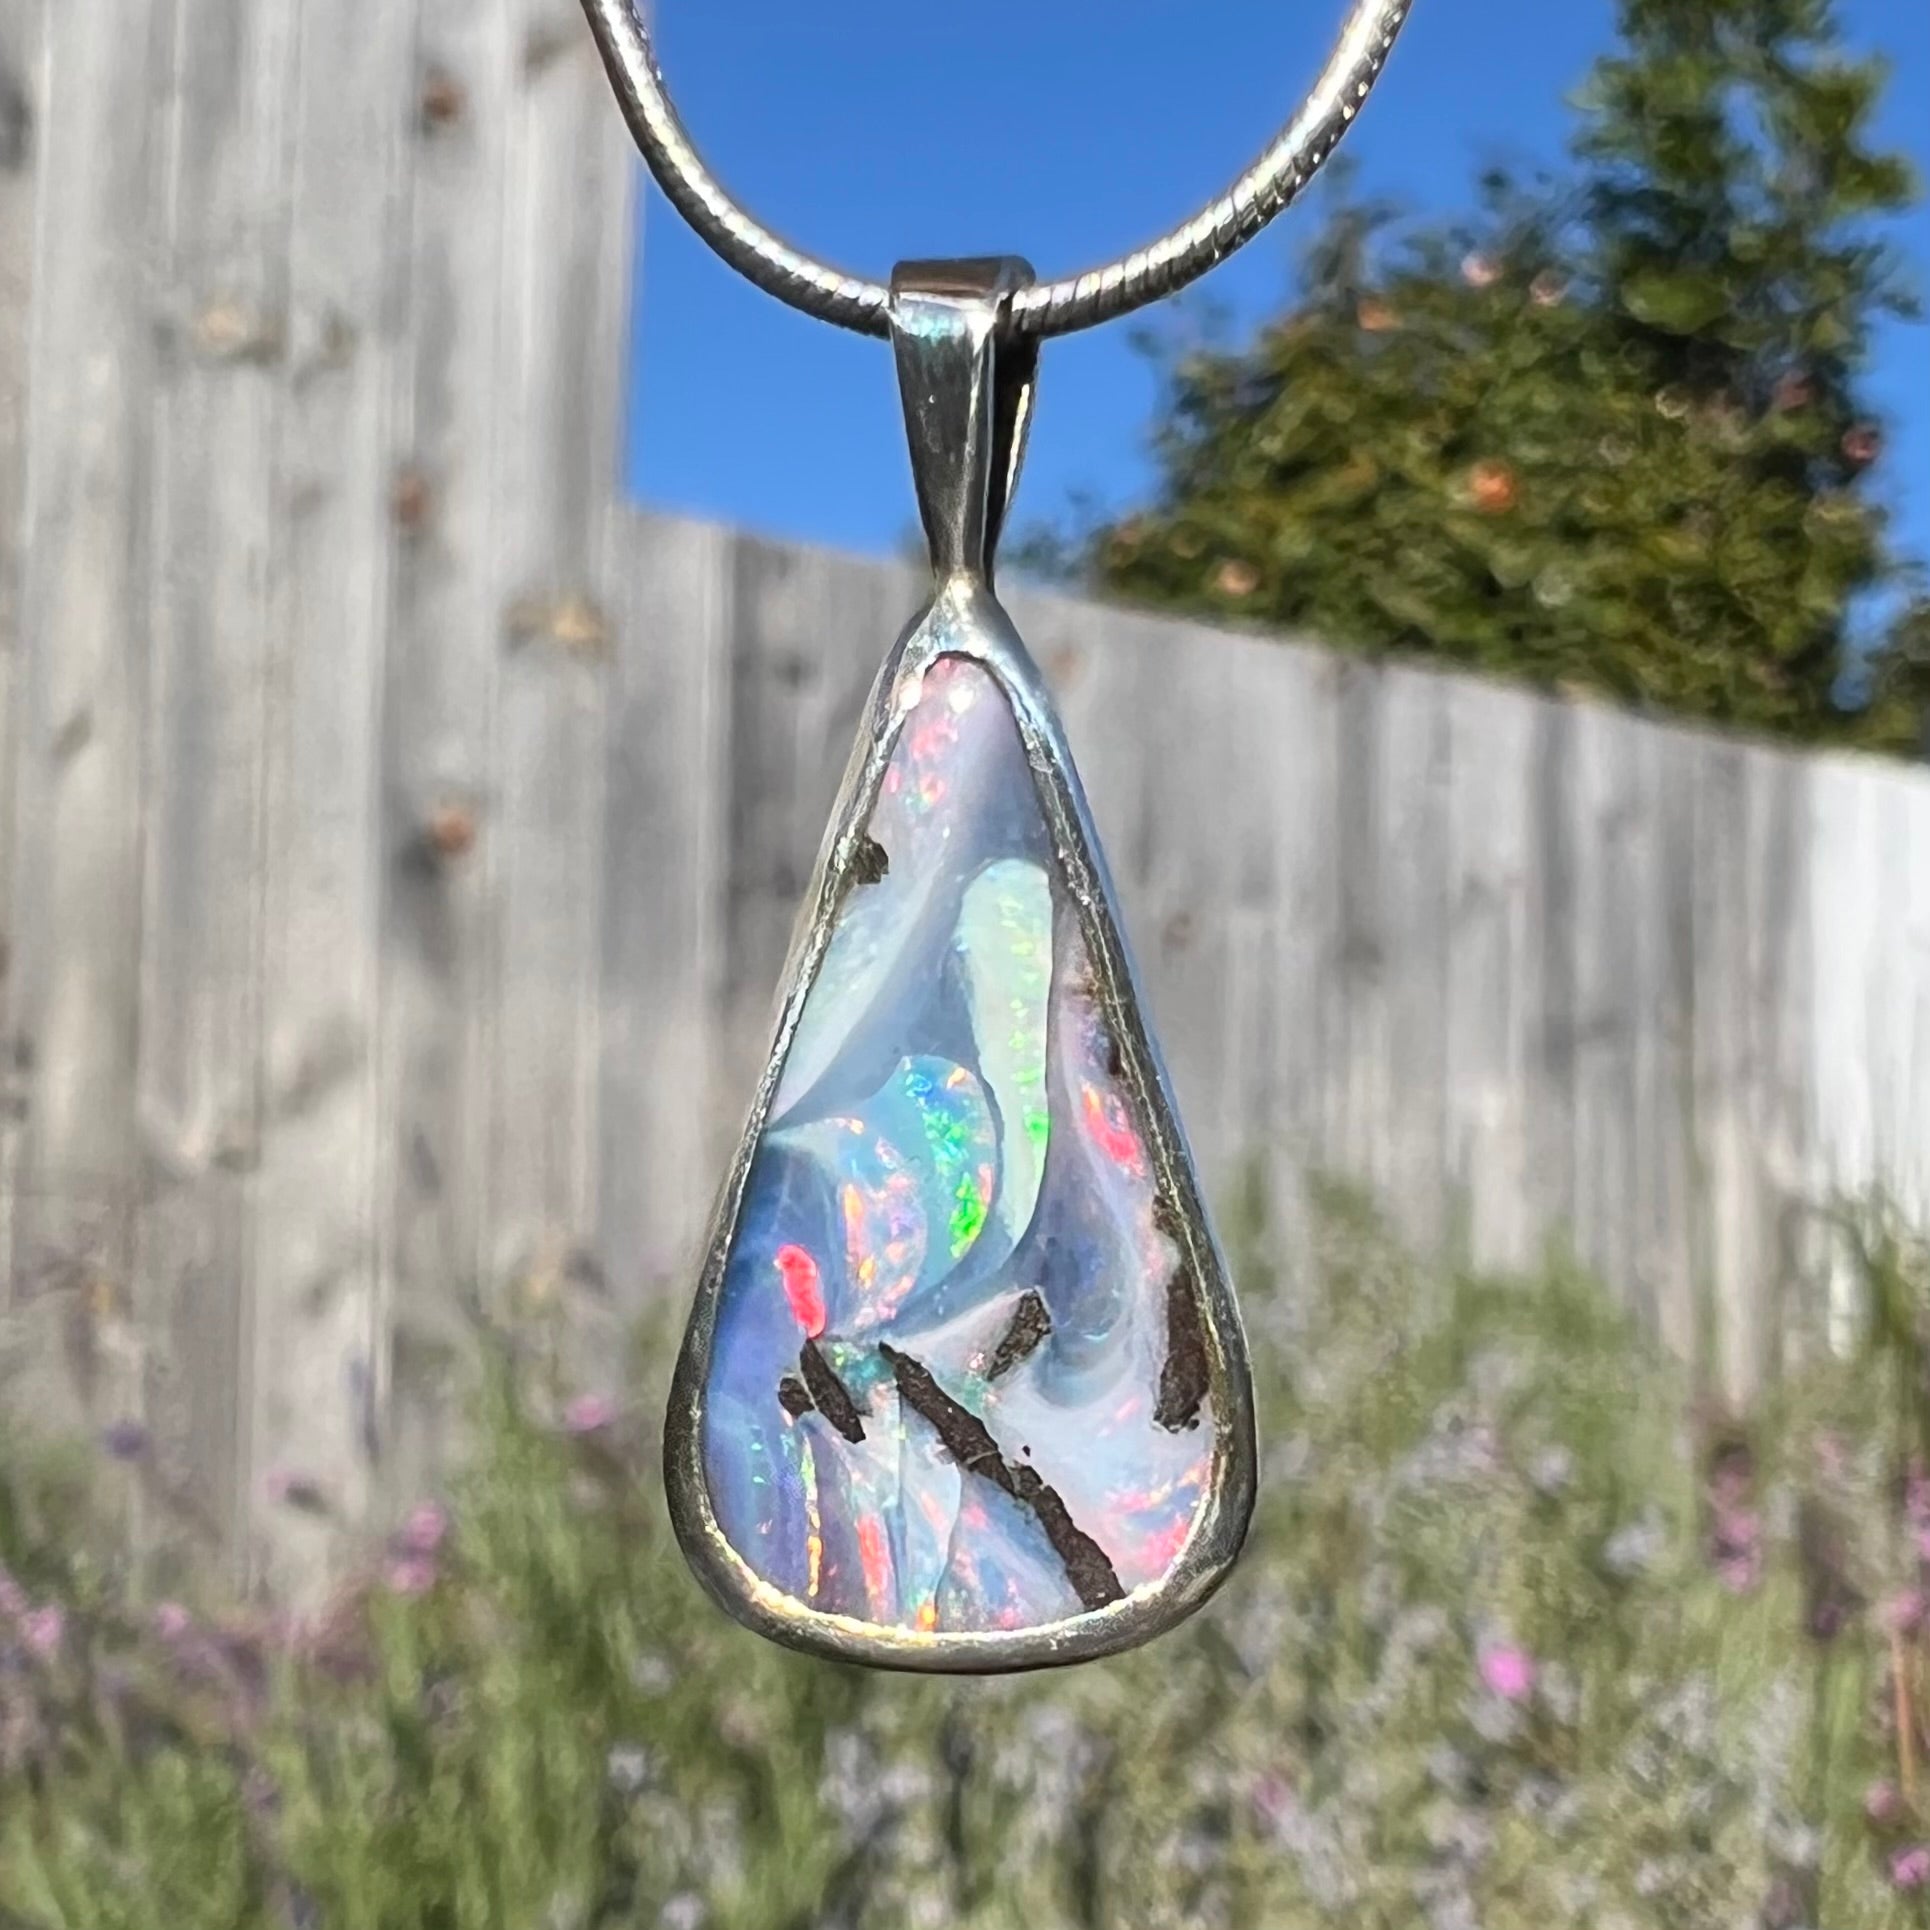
{"x":1526,"y":1636}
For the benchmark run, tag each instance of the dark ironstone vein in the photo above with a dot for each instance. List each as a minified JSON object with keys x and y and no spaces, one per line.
{"x":793,"y":1396}
{"x":869,"y":862}
{"x":1030,"y":1325}
{"x":969,"y":1442}
{"x":1184,"y":1374}
{"x":829,"y":1393}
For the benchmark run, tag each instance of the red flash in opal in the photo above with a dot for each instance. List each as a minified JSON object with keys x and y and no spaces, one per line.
{"x":799,"y":1273}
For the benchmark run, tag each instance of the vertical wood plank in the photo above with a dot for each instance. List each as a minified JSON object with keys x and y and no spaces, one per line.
{"x":1548,"y":978}
{"x":1910,"y":843}
{"x":1900,"y":1066}
{"x":1356,"y":1016}
{"x":667,"y":1116}
{"x":314,"y":1254}
{"x":1668,"y":1252}
{"x":558,"y":394}
{"x":76,"y":827}
{"x":20,"y":109}
{"x":20,"y":69}
{"x":1411,"y":939}
{"x":1266,"y":742}
{"x":1778,"y":1001}
{"x":1614,"y":850}
{"x":1181,"y":896}
{"x":1492,"y":971}
{"x":1304,"y":883}
{"x":1731,"y":1246}
{"x":439,"y":799}
{"x":228,"y":69}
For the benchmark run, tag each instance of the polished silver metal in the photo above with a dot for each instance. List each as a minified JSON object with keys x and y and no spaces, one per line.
{"x":1162,"y":268}
{"x":967,"y":390}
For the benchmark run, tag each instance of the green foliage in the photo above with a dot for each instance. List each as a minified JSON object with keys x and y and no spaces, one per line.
{"x":1606,"y":435}
{"x":1517,"y":1642}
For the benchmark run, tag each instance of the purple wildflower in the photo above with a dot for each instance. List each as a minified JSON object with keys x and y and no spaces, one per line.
{"x":1735,"y":1547}
{"x":1508,"y":1673}
{"x":425,"y":1530}
{"x":1825,"y":1621}
{"x":13,"y":1598}
{"x":43,"y":1630}
{"x":1910,"y":1869}
{"x":1904,"y":1614}
{"x":1916,"y":1493}
{"x":410,"y":1575}
{"x":589,"y":1414}
{"x":1883,"y":1803}
{"x":125,"y":1440}
{"x":171,"y":1621}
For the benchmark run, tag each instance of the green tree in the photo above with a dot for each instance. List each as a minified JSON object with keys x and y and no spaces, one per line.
{"x":1606,"y":434}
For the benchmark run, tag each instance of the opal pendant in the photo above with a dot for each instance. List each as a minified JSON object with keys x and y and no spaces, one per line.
{"x":964,"y":1387}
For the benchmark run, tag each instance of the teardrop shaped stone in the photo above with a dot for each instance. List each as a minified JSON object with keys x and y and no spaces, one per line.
{"x":955,"y":1379}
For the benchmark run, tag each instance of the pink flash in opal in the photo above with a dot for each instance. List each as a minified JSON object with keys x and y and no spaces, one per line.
{"x":801,"y":1288}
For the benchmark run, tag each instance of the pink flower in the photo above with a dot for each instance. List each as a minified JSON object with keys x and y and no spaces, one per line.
{"x":1739,"y":1574}
{"x":1903,"y":1614}
{"x":171,"y":1621}
{"x":589,"y":1414}
{"x":410,"y":1575}
{"x":1508,"y":1673}
{"x":1273,"y":1800}
{"x":1882,"y":1803}
{"x":1916,"y":1494}
{"x":1910,"y":1869}
{"x":1735,"y":1545}
{"x":42,"y":1629}
{"x":13,"y":1598}
{"x":424,"y":1531}
{"x":1480,"y":271}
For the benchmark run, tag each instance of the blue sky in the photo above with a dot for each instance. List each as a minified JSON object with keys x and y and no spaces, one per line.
{"x":1069,"y":130}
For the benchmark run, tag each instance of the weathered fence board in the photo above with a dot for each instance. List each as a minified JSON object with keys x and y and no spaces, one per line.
{"x":309,"y":391}
{"x":314,"y":1287}
{"x":80,"y":712}
{"x":20,"y":44}
{"x":400,"y":840}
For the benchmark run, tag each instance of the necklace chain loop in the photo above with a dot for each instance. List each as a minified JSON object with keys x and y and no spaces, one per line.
{"x":1161,"y":268}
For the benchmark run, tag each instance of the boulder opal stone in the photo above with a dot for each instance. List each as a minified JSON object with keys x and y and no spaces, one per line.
{"x":955,"y":1379}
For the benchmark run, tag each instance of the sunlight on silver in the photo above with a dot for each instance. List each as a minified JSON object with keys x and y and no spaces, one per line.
{"x":1162,"y":268}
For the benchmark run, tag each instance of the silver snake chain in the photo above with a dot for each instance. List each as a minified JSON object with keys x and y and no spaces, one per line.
{"x":1162,"y":268}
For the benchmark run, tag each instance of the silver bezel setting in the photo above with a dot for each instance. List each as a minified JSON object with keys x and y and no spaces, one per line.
{"x":966,"y":621}
{"x":967,"y":392}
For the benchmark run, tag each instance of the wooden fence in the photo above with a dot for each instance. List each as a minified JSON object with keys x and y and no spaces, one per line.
{"x":399,"y":838}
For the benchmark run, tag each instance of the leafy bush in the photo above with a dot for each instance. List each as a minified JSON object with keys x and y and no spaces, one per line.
{"x":1526,"y":1636}
{"x":1611,"y":433}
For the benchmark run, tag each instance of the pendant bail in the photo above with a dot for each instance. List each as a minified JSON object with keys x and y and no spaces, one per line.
{"x":967,"y":382}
